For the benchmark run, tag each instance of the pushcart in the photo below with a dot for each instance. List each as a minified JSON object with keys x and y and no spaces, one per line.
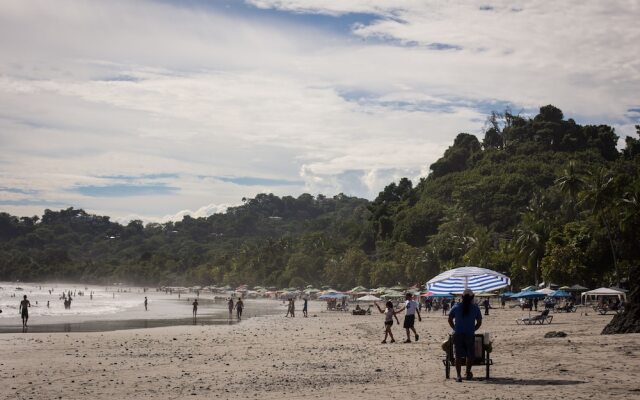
{"x":482,"y":355}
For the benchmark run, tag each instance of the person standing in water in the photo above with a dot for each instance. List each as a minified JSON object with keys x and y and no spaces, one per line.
{"x":24,"y":311}
{"x":146,"y":302}
{"x":230,"y":305}
{"x":239,"y":307}
{"x":195,"y":308}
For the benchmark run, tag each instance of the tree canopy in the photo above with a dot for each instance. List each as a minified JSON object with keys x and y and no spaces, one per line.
{"x":539,"y":198}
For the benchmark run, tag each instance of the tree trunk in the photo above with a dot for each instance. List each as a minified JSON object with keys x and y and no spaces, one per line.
{"x":613,"y":251}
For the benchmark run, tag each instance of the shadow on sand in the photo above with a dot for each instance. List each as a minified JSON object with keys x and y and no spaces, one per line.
{"x":532,"y":382}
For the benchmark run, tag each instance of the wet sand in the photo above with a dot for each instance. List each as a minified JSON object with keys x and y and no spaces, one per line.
{"x":209,"y":313}
{"x":329,"y":355}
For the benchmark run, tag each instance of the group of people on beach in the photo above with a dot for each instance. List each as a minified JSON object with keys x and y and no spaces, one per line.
{"x":410,"y":308}
{"x":465,"y":319}
{"x":291,"y":308}
{"x":239,"y":306}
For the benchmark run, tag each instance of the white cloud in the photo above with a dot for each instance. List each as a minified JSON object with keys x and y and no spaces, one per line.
{"x":92,"y":89}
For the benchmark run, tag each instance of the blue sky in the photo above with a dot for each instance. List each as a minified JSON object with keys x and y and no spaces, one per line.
{"x":159,"y":109}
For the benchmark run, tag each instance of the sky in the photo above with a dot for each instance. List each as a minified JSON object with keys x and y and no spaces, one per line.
{"x":154,"y":110}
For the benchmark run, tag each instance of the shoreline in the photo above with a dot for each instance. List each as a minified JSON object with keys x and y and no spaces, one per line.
{"x":102,"y":310}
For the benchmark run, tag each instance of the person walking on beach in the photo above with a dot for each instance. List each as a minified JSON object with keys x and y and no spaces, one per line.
{"x":230,"y":305}
{"x":288,"y":308}
{"x":389,"y":315}
{"x":24,"y":311}
{"x":445,"y":306}
{"x":239,"y":308}
{"x":465,"y":319}
{"x":411,"y":308}
{"x":291,"y":309}
{"x":304,"y":307}
{"x":195,"y":308}
{"x":146,"y":302}
{"x":486,"y":305}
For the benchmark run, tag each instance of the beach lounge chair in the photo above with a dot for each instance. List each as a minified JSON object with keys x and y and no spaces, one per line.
{"x":566,"y":308}
{"x":482,"y":355}
{"x":607,"y":308}
{"x":536,"y":319}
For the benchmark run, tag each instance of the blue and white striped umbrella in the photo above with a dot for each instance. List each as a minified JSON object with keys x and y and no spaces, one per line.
{"x":458,"y":279}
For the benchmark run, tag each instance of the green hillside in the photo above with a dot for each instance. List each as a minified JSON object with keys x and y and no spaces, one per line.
{"x":541,"y":198}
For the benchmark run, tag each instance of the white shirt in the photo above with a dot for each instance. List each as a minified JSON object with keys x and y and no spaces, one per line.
{"x":410,"y":307}
{"x":388,"y":314}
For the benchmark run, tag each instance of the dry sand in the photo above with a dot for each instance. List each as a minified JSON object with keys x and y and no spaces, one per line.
{"x":329,"y":355}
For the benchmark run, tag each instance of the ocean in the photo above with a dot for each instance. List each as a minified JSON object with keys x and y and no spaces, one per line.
{"x":107,"y":308}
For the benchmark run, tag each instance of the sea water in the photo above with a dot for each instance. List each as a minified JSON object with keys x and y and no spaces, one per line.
{"x":103,"y":308}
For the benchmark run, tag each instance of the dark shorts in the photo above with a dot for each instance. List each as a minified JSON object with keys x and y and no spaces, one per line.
{"x":388,"y":323}
{"x":463,"y":345}
{"x":409,"y":320}
{"x":25,"y":314}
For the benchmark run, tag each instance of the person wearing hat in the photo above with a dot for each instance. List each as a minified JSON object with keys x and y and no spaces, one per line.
{"x":465,"y":319}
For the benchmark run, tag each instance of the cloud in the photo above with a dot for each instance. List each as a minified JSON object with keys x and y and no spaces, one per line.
{"x":134,"y":108}
{"x":254,"y":181}
{"x":201,"y":212}
{"x":122,"y":190}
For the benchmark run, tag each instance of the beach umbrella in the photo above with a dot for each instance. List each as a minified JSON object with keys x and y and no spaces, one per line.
{"x":368,"y":297}
{"x":560,"y":293}
{"x":359,"y":289}
{"x":507,"y":294}
{"x":392,"y":295}
{"x":333,"y":295}
{"x":546,"y":291}
{"x":458,"y":279}
{"x":440,"y":295}
{"x":529,"y":294}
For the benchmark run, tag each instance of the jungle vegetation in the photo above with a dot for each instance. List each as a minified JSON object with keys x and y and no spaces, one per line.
{"x":540,"y":199}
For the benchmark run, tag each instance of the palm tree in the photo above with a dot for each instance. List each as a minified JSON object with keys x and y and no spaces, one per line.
{"x":530,"y":242}
{"x":531,"y":237}
{"x":570,"y":183}
{"x":598,"y":195}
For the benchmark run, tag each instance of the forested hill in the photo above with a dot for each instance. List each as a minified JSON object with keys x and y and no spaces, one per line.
{"x":536,"y":198}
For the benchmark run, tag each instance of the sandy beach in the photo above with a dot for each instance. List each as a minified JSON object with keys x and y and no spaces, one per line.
{"x":330,"y":355}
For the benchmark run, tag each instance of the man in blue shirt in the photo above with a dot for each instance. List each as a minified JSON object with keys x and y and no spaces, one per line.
{"x":465,"y":319}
